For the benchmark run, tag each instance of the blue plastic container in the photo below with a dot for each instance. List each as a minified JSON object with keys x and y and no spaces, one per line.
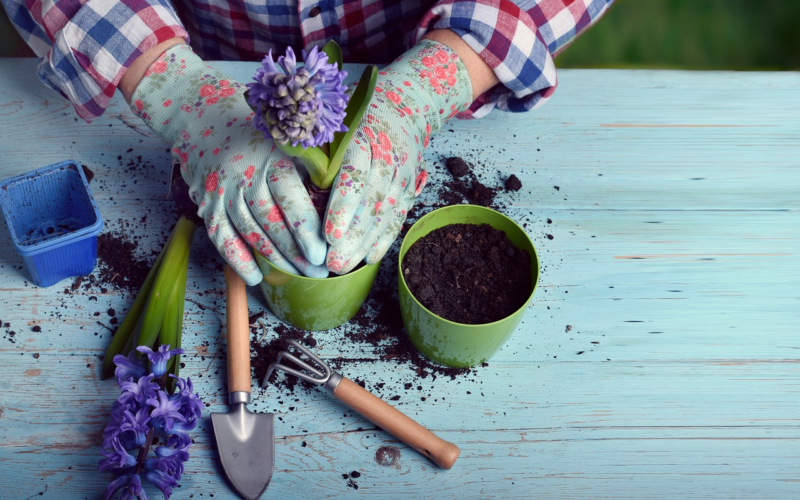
{"x":53,"y":220}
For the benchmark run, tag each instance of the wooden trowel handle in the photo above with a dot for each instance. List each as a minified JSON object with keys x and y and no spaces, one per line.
{"x":396,"y":423}
{"x":238,"y":333}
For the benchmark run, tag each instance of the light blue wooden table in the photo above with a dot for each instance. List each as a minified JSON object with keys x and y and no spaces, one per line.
{"x":675,"y":259}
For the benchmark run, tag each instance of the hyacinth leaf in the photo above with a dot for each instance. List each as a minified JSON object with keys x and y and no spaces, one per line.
{"x":334,"y":53}
{"x":355,"y":110}
{"x":314,"y":159}
{"x":166,"y":281}
{"x":123,"y":333}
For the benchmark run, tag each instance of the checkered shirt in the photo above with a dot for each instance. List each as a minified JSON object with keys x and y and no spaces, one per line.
{"x":86,"y":46}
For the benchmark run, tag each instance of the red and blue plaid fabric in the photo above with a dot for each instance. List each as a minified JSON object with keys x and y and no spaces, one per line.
{"x":86,"y":45}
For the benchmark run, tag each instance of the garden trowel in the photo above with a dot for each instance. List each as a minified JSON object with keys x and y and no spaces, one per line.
{"x":245,"y":440}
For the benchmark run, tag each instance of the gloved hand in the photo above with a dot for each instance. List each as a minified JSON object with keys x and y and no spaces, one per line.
{"x":383,"y":170}
{"x":225,"y":161}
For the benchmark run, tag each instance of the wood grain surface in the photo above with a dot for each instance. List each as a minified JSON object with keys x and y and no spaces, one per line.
{"x":659,"y":360}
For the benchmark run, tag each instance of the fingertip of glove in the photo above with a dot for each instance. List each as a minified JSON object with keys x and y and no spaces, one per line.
{"x":253,"y":278}
{"x":316,"y":254}
{"x":373,"y":257}
{"x":318,"y":271}
{"x":314,"y":249}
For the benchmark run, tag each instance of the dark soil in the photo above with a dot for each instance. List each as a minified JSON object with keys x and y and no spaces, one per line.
{"x":180,"y":195}
{"x":263,"y":355}
{"x":319,"y":197}
{"x":468,"y":273}
{"x":457,"y":166}
{"x":87,"y":172}
{"x":513,"y":183}
{"x":119,"y":263}
{"x":465,"y":186}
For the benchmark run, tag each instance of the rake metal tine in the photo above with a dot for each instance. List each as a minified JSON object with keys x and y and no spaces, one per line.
{"x":299,"y":362}
{"x":291,"y":371}
{"x":305,"y":365}
{"x":311,"y":355}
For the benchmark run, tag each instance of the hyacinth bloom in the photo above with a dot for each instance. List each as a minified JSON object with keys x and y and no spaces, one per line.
{"x":304,"y":105}
{"x":306,"y":111}
{"x":144,"y":411}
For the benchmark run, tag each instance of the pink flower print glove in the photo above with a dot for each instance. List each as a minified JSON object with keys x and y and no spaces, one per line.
{"x":226,"y":162}
{"x":383,"y":170}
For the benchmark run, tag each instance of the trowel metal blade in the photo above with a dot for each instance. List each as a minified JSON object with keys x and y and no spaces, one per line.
{"x":246,"y":445}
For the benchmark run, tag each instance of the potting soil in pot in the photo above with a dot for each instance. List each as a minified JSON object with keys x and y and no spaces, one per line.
{"x":470,"y":274}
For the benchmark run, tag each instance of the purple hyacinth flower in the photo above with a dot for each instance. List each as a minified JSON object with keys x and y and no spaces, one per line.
{"x":191,"y":405}
{"x":159,"y":358}
{"x":117,"y":457}
{"x":128,"y":368}
{"x":299,"y":105}
{"x":139,"y":391}
{"x":137,"y":425}
{"x":162,"y":480}
{"x":143,"y":416}
{"x":165,"y":411}
{"x":131,"y":484}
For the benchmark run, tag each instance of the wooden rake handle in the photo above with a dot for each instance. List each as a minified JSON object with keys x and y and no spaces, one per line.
{"x":396,"y":423}
{"x":238,"y":333}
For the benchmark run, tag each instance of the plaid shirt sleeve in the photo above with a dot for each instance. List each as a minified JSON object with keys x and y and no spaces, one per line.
{"x":518,"y":40}
{"x":85,"y":46}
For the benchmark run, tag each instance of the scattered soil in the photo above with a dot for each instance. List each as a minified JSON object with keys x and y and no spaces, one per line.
{"x":377,"y":329}
{"x":119,"y":263}
{"x":263,"y":355}
{"x":468,"y":273}
{"x":465,"y":186}
{"x":513,"y":183}
{"x":457,"y":166}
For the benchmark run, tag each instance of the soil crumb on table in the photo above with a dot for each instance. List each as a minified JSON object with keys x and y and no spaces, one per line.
{"x":465,"y":186}
{"x":513,"y":183}
{"x":469,"y":274}
{"x":457,"y":166}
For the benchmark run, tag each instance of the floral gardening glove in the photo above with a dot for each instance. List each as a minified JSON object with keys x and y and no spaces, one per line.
{"x":383,"y":170}
{"x":225,"y":161}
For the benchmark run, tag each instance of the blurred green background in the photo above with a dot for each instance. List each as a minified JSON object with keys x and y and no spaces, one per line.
{"x":680,"y":34}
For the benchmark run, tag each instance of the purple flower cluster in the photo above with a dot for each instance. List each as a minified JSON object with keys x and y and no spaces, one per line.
{"x":144,"y":411}
{"x":299,"y":105}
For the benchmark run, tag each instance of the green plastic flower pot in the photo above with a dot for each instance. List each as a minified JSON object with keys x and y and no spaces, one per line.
{"x":315,"y":303}
{"x":456,"y":344}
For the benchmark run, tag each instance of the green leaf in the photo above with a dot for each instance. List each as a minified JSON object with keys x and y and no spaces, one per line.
{"x":172,"y":327}
{"x":334,"y":53}
{"x":315,"y":161}
{"x":166,"y":280}
{"x":120,"y":338}
{"x":356,"y":107}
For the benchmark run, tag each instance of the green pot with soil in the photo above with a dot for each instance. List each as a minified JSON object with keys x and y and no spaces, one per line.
{"x":473,"y":272}
{"x":315,"y":303}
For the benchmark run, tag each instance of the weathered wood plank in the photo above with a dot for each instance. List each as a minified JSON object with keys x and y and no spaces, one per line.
{"x":680,"y":261}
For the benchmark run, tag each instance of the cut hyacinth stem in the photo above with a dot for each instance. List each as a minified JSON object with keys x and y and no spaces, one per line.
{"x":166,"y":281}
{"x":174,"y":362}
{"x":355,"y":110}
{"x":121,"y":338}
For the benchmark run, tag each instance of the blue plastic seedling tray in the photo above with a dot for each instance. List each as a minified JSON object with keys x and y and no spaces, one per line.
{"x":53,"y":220}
